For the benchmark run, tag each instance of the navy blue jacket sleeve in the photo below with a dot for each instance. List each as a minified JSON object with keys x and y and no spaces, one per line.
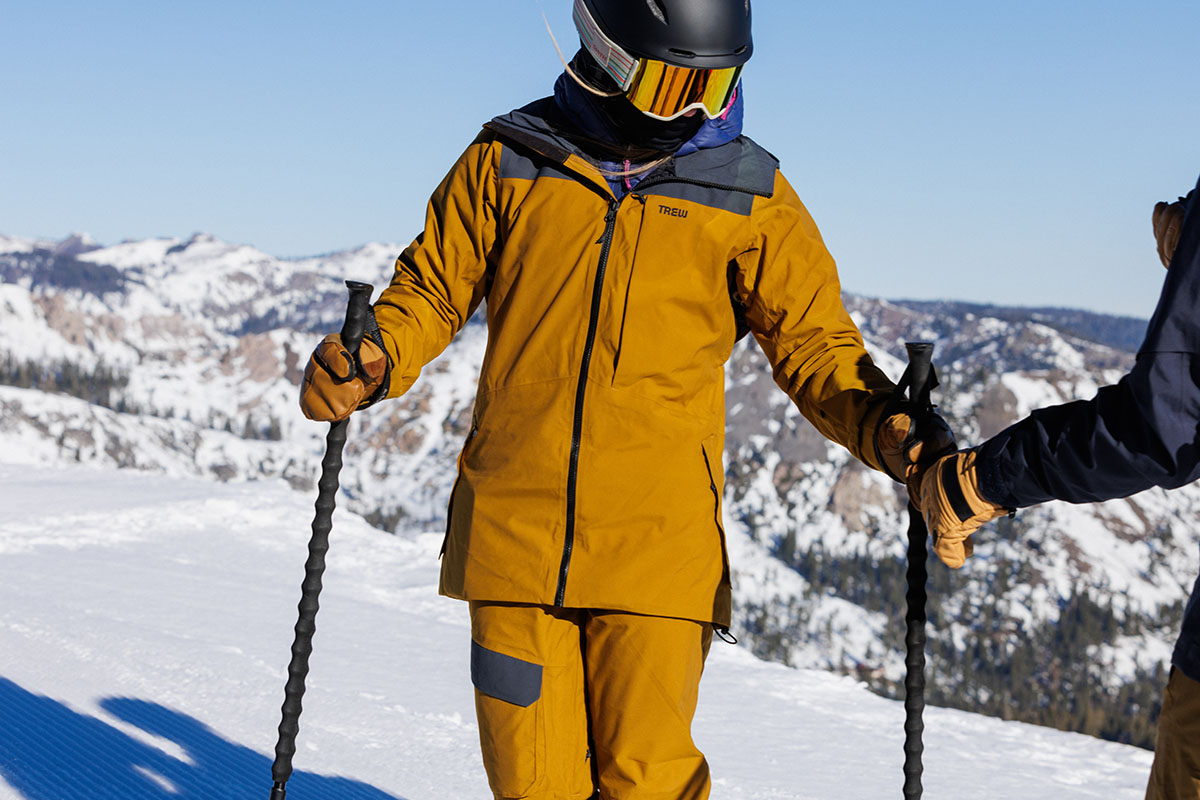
{"x":1140,"y":433}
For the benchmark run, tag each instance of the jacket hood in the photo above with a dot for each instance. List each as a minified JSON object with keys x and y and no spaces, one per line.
{"x":736,"y":164}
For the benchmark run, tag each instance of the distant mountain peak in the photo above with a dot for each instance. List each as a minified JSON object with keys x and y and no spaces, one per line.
{"x":76,"y":244}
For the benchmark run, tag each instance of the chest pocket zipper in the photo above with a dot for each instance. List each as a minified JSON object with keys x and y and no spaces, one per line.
{"x":620,"y":342}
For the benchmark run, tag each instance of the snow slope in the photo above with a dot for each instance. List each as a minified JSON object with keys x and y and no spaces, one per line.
{"x":145,"y":623}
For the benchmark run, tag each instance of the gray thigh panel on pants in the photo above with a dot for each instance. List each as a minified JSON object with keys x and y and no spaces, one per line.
{"x":504,"y":677}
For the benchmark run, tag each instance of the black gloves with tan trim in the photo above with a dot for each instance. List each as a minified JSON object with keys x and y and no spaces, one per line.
{"x":953,"y":506}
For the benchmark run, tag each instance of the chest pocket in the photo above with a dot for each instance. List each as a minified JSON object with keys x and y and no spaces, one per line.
{"x":673,"y":296}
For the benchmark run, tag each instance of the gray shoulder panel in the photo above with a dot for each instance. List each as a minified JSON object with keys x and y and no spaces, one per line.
{"x":531,"y":147}
{"x":728,"y":177}
{"x":504,"y":677}
{"x":740,"y":165}
{"x":517,"y":165}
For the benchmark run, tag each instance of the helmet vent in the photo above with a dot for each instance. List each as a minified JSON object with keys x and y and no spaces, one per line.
{"x":683,"y":53}
{"x":659,"y":10}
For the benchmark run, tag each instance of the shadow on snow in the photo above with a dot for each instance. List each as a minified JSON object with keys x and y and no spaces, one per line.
{"x":49,"y":752}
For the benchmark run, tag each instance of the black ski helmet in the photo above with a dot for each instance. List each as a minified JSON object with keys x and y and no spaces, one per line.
{"x":697,"y":34}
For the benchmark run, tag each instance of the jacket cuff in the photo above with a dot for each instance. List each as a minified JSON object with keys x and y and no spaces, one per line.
{"x":869,"y":452}
{"x":993,"y":486}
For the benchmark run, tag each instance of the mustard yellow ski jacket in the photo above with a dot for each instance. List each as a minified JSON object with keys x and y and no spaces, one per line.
{"x":592,"y":475}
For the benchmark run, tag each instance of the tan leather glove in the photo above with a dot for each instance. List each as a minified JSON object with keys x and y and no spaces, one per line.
{"x":908,"y":448}
{"x":953,"y":506}
{"x":1168,"y":220}
{"x":334,"y":387}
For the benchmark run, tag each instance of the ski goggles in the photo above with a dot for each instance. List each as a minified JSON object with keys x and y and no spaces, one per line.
{"x":656,"y":88}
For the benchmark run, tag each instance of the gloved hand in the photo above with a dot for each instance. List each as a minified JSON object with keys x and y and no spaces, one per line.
{"x":334,"y":387}
{"x":1168,"y":220}
{"x":908,"y":445}
{"x":953,"y":506}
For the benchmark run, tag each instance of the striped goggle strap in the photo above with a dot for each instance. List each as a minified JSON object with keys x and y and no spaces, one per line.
{"x":655,"y":88}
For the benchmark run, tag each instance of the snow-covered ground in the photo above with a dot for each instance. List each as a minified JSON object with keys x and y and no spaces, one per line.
{"x":145,"y":624}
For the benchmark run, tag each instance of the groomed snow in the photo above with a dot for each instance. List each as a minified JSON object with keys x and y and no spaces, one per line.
{"x":145,"y":624}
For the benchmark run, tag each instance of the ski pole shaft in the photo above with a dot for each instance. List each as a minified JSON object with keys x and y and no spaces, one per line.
{"x":357,"y":310}
{"x":914,"y":661}
{"x":921,"y":382}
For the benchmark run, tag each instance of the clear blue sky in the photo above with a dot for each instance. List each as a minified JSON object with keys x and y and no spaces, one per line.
{"x":997,"y":152}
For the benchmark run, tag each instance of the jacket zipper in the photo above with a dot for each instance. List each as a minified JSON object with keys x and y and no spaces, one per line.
{"x":610,"y":224}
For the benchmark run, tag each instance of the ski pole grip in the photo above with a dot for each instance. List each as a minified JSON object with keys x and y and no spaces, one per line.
{"x":357,"y":309}
{"x":920,"y":366}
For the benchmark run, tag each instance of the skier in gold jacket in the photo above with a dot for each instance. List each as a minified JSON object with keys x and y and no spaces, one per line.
{"x":623,"y":233}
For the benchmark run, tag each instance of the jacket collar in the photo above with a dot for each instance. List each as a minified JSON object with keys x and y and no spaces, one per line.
{"x":718,"y":155}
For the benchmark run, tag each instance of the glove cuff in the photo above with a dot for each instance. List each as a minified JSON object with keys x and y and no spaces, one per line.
{"x":993,"y":486}
{"x":959,"y":480}
{"x":890,"y":425}
{"x":373,"y":334}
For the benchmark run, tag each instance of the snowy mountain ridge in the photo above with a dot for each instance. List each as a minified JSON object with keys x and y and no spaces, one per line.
{"x":183,"y":357}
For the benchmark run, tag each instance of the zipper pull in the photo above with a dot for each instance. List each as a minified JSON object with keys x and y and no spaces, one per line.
{"x":609,"y":219}
{"x":613,"y":205}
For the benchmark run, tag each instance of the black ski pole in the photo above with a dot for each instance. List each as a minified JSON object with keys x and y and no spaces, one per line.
{"x":921,"y":380}
{"x":357,"y":309}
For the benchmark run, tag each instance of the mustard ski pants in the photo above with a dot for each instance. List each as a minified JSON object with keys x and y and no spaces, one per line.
{"x":1176,"y":771}
{"x":575,"y":701}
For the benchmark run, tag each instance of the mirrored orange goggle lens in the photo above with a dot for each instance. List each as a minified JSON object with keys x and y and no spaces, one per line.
{"x":667,"y":91}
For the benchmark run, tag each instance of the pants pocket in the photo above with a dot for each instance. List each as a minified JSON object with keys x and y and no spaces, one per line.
{"x":511,"y":723}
